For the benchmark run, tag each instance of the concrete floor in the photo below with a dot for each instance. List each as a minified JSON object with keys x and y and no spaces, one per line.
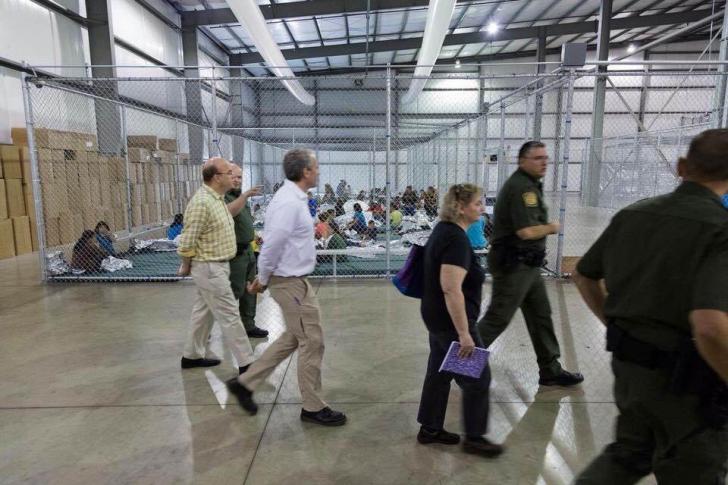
{"x":91,"y":392}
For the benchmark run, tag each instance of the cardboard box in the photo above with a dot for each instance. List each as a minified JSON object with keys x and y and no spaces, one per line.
{"x":14,"y":197}
{"x":168,"y":144}
{"x":25,"y":163}
{"x":12,"y":168}
{"x":55,"y":199}
{"x":139,"y":155}
{"x":44,"y":138}
{"x":52,"y":232}
{"x":21,"y":230}
{"x":7,"y":239}
{"x":29,"y":200}
{"x":144,"y":141}
{"x":136,"y":215}
{"x":67,"y":233}
{"x":3,"y":201}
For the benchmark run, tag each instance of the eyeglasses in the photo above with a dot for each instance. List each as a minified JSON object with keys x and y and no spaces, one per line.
{"x":230,"y":172}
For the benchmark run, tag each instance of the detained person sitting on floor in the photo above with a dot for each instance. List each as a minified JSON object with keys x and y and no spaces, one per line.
{"x":87,"y":255}
{"x":371,"y":233}
{"x":175,"y":229}
{"x":359,"y":223}
{"x":105,"y":238}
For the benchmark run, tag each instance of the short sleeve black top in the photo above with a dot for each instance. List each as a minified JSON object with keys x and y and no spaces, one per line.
{"x":448,"y":244}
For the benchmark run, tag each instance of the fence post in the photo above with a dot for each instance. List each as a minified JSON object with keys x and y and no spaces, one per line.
{"x":35,"y":174}
{"x":388,"y":154}
{"x":215,"y":152}
{"x":129,"y":224}
{"x":502,"y":168}
{"x":484,"y":158}
{"x":565,"y":172}
{"x":177,"y":184}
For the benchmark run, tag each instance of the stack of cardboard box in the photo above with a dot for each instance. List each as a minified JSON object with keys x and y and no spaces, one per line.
{"x":81,"y":186}
{"x":17,"y":210}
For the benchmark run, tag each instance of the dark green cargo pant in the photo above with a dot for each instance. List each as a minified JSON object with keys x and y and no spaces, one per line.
{"x":523,"y":288}
{"x":657,"y":432}
{"x":242,"y":271}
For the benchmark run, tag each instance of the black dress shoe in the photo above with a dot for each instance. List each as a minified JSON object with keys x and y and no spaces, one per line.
{"x":189,"y":363}
{"x":481,"y":446}
{"x":325,"y":417}
{"x":564,"y":379}
{"x":243,"y":394}
{"x":257,"y":332}
{"x":426,"y":437}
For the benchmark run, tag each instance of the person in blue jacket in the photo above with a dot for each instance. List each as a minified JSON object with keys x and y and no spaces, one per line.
{"x":476,"y":234}
{"x":175,"y":229}
{"x":105,"y":238}
{"x":312,"y":204}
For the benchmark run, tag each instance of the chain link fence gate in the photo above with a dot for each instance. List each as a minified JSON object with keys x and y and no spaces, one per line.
{"x":121,"y":157}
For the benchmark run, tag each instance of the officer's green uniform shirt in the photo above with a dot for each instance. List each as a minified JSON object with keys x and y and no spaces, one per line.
{"x":244,"y":232}
{"x":662,"y":258}
{"x":519,"y":205}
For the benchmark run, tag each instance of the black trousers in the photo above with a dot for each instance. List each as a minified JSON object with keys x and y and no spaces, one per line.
{"x":436,"y":390}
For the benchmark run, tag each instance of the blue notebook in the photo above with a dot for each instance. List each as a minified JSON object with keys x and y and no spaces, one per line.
{"x":471,"y":366}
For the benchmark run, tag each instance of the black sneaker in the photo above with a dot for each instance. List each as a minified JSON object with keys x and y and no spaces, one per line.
{"x":440,"y":436}
{"x":483,"y":447}
{"x":325,"y":417}
{"x":243,"y":394}
{"x":190,"y":363}
{"x":257,"y":332}
{"x":564,"y":379}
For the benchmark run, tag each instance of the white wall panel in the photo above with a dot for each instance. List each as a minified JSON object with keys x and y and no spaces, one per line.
{"x":143,"y":30}
{"x":33,"y":34}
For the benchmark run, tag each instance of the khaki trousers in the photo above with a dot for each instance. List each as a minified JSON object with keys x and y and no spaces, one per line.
{"x":303,"y":332}
{"x":215,"y":302}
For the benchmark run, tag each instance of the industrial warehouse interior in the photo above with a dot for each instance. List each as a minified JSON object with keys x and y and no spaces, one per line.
{"x":110,"y":111}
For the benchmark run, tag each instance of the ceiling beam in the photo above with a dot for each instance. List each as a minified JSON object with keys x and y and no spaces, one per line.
{"x":310,"y":8}
{"x":479,"y":37}
{"x":503,"y":56}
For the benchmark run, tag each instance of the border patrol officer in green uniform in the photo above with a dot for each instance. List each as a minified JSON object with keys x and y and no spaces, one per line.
{"x":518,"y":248}
{"x":242,"y":266}
{"x":664,"y":300}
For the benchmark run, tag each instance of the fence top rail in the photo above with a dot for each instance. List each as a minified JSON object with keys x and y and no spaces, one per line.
{"x":434,"y":77}
{"x":620,"y":62}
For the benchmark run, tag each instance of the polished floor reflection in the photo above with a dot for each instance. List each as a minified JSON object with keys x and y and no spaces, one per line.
{"x":91,"y":392}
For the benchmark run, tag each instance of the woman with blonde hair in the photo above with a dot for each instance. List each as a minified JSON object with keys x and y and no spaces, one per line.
{"x":453,"y":281}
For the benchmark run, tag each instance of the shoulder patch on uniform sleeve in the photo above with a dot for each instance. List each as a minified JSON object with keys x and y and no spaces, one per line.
{"x":530,"y":199}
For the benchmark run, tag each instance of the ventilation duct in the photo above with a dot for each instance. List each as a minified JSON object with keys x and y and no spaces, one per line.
{"x":249,"y":15}
{"x":439,"y":14}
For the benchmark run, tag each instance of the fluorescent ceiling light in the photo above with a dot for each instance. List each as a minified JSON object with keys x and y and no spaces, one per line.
{"x":492,"y":28}
{"x":457,"y":63}
{"x":631,"y":48}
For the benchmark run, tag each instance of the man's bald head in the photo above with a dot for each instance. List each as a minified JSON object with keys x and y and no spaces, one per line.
{"x":214,"y":166}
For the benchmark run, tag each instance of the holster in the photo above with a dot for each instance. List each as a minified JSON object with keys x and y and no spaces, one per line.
{"x":688,"y":372}
{"x":241,"y":248}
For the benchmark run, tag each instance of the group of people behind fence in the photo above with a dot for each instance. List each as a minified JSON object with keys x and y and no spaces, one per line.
{"x":656,"y":278}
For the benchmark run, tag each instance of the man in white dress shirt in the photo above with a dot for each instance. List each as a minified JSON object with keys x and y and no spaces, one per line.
{"x":288,"y":255}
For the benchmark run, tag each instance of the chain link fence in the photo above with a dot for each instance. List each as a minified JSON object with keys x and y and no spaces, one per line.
{"x":115,"y":161}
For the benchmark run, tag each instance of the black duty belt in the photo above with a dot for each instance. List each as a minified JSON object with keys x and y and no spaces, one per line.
{"x":242,"y":247}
